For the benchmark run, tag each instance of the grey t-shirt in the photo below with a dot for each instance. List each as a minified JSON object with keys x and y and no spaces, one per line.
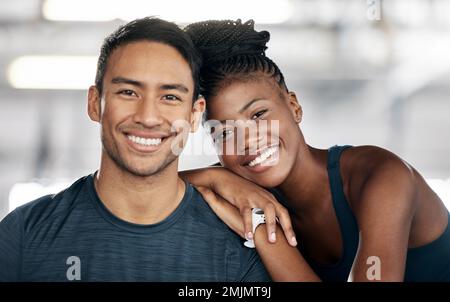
{"x":72,"y":236}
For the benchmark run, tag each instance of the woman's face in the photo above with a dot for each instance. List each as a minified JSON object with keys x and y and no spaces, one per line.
{"x":258,"y":135}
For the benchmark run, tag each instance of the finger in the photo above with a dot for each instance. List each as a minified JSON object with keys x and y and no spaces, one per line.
{"x":246,"y":214}
{"x":271,"y":222}
{"x":286,"y":225}
{"x":270,"y":197}
{"x":284,"y":219}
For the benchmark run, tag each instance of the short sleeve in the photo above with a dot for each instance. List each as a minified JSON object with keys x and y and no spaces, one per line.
{"x":253,"y":269}
{"x":11,"y":234}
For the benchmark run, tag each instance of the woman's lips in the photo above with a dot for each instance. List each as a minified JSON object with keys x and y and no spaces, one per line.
{"x":263,"y":160}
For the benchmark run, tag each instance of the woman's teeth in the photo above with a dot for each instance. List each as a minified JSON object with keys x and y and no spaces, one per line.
{"x":144,"y":141}
{"x":264,"y":155}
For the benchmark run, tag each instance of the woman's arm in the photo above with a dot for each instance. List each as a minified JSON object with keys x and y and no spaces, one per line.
{"x":385,"y":210}
{"x":224,"y":183}
{"x":386,"y":207}
{"x":282,"y":261}
{"x":202,"y":177}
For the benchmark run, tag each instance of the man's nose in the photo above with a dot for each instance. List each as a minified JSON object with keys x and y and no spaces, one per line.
{"x":148,"y":113}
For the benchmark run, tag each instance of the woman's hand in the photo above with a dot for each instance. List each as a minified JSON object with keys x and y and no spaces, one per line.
{"x":282,"y":261}
{"x":224,"y":184}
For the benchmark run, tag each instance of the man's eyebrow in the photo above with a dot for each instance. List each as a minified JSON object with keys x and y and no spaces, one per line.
{"x":122,"y":80}
{"x":245,"y":107}
{"x":179,"y":87}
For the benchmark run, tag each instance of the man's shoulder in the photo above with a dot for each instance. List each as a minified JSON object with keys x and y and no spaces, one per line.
{"x":48,"y":207}
{"x":244,"y":264}
{"x":202,"y":213}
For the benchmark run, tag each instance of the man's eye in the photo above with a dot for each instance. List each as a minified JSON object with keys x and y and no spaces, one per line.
{"x":171,"y":97}
{"x":127,"y":92}
{"x":258,"y":114}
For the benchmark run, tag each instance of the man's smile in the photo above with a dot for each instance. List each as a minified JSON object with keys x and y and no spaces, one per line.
{"x":146,"y":142}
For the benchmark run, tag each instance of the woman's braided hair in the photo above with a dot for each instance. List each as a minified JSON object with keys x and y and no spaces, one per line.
{"x":231,"y":50}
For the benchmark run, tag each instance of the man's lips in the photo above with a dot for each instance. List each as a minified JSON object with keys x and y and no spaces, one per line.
{"x":147,"y":134}
{"x":146,"y":141}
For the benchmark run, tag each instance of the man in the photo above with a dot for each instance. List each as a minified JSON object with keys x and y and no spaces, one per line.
{"x":134,"y":219}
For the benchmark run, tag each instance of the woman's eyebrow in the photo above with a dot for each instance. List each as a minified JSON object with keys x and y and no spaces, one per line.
{"x":246,"y":106}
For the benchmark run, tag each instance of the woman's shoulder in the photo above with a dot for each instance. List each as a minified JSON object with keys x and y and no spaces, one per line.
{"x":368,"y":170}
{"x":368,"y":161}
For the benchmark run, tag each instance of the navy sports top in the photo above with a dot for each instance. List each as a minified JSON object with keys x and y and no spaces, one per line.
{"x":73,"y":236}
{"x":430,"y":262}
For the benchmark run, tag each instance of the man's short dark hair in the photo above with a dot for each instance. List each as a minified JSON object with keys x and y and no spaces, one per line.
{"x":154,"y":30}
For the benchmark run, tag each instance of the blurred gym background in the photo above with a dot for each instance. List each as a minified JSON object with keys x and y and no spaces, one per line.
{"x":365,"y":71}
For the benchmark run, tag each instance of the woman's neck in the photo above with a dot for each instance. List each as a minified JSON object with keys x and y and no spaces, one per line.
{"x":306,"y":187}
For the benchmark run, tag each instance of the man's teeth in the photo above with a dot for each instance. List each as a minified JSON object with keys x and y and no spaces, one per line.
{"x":265,"y":155}
{"x":144,"y":141}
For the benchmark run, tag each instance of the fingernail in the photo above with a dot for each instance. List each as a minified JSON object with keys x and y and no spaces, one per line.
{"x":273,"y":237}
{"x":249,"y":235}
{"x":294,"y":241}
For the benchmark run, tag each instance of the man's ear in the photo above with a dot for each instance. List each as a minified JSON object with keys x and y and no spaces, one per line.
{"x":295,"y":107}
{"x":94,"y":104}
{"x":198,"y":108}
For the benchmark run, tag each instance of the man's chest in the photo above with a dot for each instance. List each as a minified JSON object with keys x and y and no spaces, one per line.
{"x":119,"y":257}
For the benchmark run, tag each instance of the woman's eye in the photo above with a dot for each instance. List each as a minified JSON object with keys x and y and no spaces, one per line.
{"x":258,"y":114}
{"x":223,"y":135}
{"x":127,"y":92}
{"x":171,"y":97}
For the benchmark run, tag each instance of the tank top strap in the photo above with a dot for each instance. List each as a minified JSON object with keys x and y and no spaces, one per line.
{"x":344,"y":214}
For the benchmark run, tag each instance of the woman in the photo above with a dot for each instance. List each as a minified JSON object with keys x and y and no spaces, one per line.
{"x":353,"y":208}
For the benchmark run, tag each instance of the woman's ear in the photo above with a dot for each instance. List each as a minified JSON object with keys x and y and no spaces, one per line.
{"x":94,"y":104}
{"x":198,"y":108}
{"x":295,"y":107}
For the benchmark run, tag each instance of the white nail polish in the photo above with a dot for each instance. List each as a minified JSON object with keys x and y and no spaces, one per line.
{"x":273,"y":237}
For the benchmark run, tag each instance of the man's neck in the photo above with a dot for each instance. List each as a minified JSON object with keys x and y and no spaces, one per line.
{"x":139,"y":200}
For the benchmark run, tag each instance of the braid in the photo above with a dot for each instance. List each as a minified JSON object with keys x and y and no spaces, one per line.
{"x":231,"y":50}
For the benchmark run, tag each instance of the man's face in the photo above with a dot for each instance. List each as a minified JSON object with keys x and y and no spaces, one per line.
{"x":146,"y":88}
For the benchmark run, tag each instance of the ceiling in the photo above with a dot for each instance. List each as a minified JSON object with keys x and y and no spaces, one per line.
{"x":365,"y":73}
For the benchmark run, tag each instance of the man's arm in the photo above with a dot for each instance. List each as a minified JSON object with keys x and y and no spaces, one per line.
{"x":11,"y":233}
